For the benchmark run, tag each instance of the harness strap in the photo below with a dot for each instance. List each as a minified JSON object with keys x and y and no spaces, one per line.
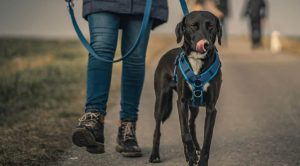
{"x":197,"y":81}
{"x":175,"y":69}
{"x":204,"y":77}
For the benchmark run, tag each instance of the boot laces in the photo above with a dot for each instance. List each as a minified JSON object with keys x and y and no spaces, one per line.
{"x":87,"y":117}
{"x":129,"y":132}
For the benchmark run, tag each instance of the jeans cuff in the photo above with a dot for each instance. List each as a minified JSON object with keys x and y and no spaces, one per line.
{"x":128,"y":117}
{"x":128,"y":120}
{"x":93,"y":108}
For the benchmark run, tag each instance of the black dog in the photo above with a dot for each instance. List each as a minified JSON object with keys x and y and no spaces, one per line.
{"x":200,"y":30}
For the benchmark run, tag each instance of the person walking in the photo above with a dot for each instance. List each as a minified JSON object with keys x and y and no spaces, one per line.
{"x":256,"y":10}
{"x":224,"y":7}
{"x":105,"y":18}
{"x":201,"y":5}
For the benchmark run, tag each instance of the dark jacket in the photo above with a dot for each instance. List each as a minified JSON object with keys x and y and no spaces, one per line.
{"x":255,"y":9}
{"x":201,"y":2}
{"x":159,"y":11}
{"x":223,"y":6}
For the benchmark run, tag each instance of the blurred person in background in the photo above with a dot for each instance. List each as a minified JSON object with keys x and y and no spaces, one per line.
{"x":256,"y":10}
{"x":207,"y":5}
{"x":224,"y":7}
{"x":195,"y":5}
{"x":105,"y":18}
{"x":219,"y":8}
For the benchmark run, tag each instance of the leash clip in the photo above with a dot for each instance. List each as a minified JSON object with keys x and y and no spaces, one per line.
{"x":70,"y":3}
{"x":198,"y":93}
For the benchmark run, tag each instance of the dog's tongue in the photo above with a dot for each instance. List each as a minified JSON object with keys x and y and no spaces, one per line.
{"x":200,"y":46}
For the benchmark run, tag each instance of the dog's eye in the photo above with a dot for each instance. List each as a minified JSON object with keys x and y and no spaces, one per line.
{"x":195,"y":26}
{"x":209,"y":26}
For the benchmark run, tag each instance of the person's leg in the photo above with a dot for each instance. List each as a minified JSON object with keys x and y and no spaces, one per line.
{"x":132,"y":83}
{"x":256,"y":32}
{"x":252,"y":28}
{"x":225,"y":33}
{"x":104,"y":34}
{"x":225,"y":30}
{"x":259,"y":33}
{"x":133,"y":71}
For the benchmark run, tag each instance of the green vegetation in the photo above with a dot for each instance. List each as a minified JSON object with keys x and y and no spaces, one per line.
{"x":41,"y":96}
{"x":42,"y":93}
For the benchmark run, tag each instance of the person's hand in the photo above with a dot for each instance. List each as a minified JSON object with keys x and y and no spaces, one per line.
{"x":70,"y":1}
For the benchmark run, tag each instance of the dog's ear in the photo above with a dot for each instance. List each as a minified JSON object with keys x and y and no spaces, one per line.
{"x":180,"y":30}
{"x":219,"y":31}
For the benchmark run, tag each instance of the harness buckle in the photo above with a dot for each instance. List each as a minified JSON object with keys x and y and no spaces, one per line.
{"x":198,"y":93}
{"x":198,"y":83}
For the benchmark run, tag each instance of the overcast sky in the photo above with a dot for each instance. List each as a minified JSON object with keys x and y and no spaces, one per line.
{"x":49,"y":18}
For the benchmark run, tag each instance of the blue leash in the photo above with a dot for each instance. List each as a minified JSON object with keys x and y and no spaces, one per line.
{"x":184,"y":7}
{"x":145,"y":22}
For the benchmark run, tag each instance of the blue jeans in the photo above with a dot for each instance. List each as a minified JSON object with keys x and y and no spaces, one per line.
{"x":104,"y":28}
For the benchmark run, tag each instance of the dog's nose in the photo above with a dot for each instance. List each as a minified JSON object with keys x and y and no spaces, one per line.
{"x":202,"y":46}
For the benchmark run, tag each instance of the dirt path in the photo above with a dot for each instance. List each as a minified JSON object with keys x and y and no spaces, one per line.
{"x":257,"y":124}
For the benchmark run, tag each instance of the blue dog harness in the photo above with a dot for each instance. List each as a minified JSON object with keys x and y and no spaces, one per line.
{"x":196,"y":81}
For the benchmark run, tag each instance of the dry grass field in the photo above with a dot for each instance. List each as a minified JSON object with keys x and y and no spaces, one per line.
{"x":289,"y":44}
{"x":39,"y":81}
{"x":42,"y":94}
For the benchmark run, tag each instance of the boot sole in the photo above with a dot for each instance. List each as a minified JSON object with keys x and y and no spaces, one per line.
{"x":98,"y":149}
{"x":128,"y":154}
{"x":83,"y":138}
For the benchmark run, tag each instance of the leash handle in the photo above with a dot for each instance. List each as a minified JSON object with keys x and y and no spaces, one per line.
{"x":184,"y":7}
{"x":70,"y":3}
{"x":86,"y":44}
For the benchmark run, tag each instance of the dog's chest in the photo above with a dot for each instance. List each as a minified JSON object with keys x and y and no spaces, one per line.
{"x":196,"y":62}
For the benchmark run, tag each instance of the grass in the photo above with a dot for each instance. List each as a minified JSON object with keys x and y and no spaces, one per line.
{"x":291,"y":44}
{"x":41,"y":95}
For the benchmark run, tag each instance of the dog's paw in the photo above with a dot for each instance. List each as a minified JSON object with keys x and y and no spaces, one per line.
{"x":154,"y":159}
{"x":198,"y":153}
{"x":194,"y":159}
{"x":203,"y":161}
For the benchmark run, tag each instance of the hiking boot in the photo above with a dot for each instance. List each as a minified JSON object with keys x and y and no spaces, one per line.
{"x":89,"y":132}
{"x":126,"y":140}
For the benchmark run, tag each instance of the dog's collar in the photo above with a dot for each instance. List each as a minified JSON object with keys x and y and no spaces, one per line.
{"x":196,"y":81}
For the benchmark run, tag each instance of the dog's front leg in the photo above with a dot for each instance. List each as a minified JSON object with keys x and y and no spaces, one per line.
{"x":194,"y":114}
{"x":189,"y":148}
{"x":211,"y":113}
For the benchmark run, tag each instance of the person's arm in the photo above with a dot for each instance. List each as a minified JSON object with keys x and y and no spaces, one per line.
{"x":245,"y":11}
{"x":72,"y":1}
{"x":228,"y":8}
{"x":211,"y":6}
